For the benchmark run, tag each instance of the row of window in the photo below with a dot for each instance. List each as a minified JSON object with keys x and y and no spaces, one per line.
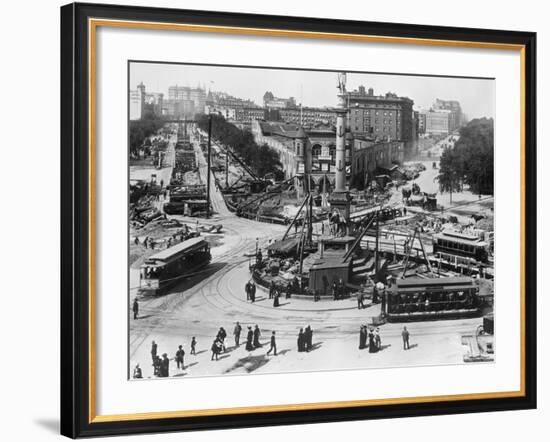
{"x":451,"y":245}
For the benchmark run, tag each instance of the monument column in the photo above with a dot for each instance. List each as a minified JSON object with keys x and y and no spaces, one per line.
{"x":340,"y":198}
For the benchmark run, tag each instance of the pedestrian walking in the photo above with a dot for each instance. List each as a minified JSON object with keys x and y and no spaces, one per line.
{"x":271,"y":290}
{"x":193,"y":346}
{"x":135,"y":308}
{"x":360,"y":301}
{"x":237,"y":333}
{"x":223,"y":335}
{"x":247,"y":288}
{"x":180,"y":353}
{"x":405,"y":336}
{"x":249,"y":338}
{"x":154,"y":348}
{"x":257,"y":335}
{"x":273,"y":346}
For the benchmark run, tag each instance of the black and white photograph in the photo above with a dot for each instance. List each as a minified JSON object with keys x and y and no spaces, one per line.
{"x":285,"y":220}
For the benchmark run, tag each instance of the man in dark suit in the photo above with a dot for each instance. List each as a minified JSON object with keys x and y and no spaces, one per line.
{"x":135,"y":308}
{"x":237,"y":333}
{"x":405,"y":336}
{"x":273,"y":346}
{"x":249,"y":337}
{"x":154,"y":350}
{"x":179,"y":357}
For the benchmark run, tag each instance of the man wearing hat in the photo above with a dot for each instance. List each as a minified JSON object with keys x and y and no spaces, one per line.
{"x":179,"y":357}
{"x":273,"y":347}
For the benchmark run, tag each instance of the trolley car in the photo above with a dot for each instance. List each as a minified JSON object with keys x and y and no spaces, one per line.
{"x":455,"y":243}
{"x":165,"y":269}
{"x":418,"y":299}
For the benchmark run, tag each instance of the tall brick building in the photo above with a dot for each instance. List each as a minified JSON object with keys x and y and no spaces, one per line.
{"x":383,"y":117}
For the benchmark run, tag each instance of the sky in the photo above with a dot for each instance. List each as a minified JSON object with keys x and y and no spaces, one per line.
{"x":316,"y":88}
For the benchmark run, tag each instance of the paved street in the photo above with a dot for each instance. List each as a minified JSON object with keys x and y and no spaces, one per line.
{"x":216,"y":298}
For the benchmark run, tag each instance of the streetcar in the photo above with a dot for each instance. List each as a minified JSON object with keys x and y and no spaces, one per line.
{"x":456,"y":243}
{"x":419,"y":299}
{"x":163,"y":270}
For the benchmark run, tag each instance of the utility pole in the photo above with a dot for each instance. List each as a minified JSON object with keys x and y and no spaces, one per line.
{"x":208,"y":167}
{"x":376,"y":253}
{"x":226,"y":170}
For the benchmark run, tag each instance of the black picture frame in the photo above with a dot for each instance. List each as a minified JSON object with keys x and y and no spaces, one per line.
{"x":75,"y":220}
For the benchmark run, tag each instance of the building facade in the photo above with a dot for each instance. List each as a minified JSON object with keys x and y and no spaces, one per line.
{"x":439,"y":122}
{"x":142,"y":102}
{"x":380,"y":116}
{"x":307,"y":116}
{"x":273,"y":102}
{"x":301,"y":149}
{"x":181,"y":97}
{"x":453,"y":106}
{"x":370,"y":156}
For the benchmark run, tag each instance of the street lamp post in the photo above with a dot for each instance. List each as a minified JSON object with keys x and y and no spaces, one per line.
{"x":208,"y":167}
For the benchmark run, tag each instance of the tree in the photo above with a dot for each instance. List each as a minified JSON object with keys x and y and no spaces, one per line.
{"x":449,"y":172}
{"x":141,"y":129}
{"x":261,"y":159}
{"x":471,"y":160}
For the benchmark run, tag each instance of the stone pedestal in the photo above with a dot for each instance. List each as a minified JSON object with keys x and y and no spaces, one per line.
{"x":341,"y":200}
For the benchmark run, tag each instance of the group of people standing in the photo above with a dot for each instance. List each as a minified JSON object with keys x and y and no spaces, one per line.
{"x":250,"y":289}
{"x":305,"y":339}
{"x":253,"y":338}
{"x":370,"y":337}
{"x":275,"y":292}
{"x":161,"y":365}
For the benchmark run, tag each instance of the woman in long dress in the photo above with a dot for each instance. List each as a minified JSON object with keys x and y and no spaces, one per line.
{"x":362,"y":338}
{"x":301,"y":339}
{"x":372,"y":343}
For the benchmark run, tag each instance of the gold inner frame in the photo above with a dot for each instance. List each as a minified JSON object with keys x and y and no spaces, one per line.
{"x":93,"y":24}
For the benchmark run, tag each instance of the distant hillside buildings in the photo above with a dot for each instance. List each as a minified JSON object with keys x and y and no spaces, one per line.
{"x":443,"y":118}
{"x":382,"y":130}
{"x":182,"y":102}
{"x":142,"y":102}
